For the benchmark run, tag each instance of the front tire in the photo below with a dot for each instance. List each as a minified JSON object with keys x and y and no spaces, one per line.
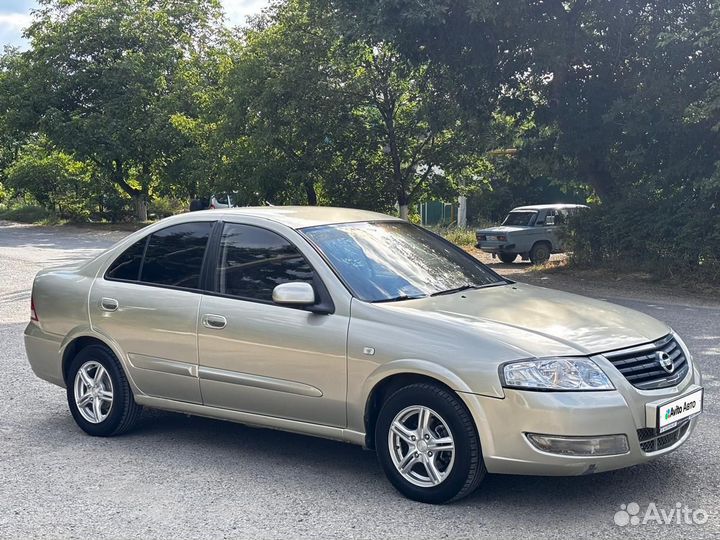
{"x":427,"y":444}
{"x":98,"y":393}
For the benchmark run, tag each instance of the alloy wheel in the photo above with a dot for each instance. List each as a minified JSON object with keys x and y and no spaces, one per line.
{"x":93,"y":391}
{"x":421,"y":446}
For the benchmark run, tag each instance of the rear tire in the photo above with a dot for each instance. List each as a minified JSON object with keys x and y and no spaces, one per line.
{"x":507,"y":258}
{"x":98,"y":393}
{"x":424,"y":468}
{"x":540,"y":253}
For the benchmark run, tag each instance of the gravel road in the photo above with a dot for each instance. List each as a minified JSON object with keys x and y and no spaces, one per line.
{"x":182,"y":477}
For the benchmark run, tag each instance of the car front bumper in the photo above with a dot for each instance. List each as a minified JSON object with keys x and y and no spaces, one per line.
{"x":504,"y":422}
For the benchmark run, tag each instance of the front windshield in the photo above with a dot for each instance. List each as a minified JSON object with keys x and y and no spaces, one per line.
{"x":519,"y":219}
{"x":394,"y":260}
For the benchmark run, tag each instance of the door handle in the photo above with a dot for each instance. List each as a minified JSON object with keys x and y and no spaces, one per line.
{"x":215,"y":322}
{"x":109,"y":304}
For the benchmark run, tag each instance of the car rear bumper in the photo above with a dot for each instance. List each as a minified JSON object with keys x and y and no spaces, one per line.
{"x":503,"y":424}
{"x":496,"y":247}
{"x":43,"y":352}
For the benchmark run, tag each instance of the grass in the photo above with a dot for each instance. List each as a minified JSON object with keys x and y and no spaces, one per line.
{"x":458,"y":236}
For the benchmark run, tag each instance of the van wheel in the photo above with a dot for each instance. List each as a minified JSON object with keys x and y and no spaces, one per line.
{"x":540,"y":253}
{"x":507,"y":258}
{"x":98,"y":394}
{"x":427,"y":444}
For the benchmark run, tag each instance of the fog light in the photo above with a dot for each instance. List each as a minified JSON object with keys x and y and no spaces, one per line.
{"x":607,"y":445}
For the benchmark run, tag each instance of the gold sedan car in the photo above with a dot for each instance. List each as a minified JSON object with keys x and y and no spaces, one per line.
{"x":360,"y":327}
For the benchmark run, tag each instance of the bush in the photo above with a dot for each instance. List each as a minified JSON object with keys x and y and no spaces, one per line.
{"x":162,"y":207}
{"x":668,"y":237}
{"x":28,"y":214}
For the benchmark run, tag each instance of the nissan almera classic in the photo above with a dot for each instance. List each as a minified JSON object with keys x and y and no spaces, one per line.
{"x":358,"y":326}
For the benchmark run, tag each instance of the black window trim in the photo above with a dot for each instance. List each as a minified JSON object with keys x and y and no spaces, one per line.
{"x":324,"y":304}
{"x":137,"y":281}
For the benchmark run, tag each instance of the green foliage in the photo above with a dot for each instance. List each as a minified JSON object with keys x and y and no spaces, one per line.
{"x":457,"y":235}
{"x":379,"y":104}
{"x":103,"y":78}
{"x":25,"y":213}
{"x":631,"y":235}
{"x":162,"y":207}
{"x":54,"y":179}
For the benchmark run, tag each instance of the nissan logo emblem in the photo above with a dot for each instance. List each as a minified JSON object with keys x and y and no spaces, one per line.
{"x":665,"y":361}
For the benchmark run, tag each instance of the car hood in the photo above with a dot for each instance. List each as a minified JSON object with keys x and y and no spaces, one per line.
{"x":503,"y":229}
{"x":540,"y":322}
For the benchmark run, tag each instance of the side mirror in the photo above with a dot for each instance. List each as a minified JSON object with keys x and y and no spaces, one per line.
{"x":294,"y":294}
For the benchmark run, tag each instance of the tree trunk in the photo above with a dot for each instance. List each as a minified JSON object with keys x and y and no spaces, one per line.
{"x":311,"y":193}
{"x":140,"y":207}
{"x":404,"y":211}
{"x":601,"y":180}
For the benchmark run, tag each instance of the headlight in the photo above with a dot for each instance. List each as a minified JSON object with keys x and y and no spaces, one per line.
{"x":555,"y":374}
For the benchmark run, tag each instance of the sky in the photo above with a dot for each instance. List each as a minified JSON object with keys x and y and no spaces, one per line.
{"x":15,"y":15}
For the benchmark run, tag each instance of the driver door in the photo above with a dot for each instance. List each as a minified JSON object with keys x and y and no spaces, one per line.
{"x":259,"y":357}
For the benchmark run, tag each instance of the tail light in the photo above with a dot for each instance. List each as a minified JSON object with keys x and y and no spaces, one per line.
{"x":502,"y":238}
{"x":33,"y":313}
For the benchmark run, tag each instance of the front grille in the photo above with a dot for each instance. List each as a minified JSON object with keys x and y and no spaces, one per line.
{"x":651,"y":440}
{"x":641,"y":365}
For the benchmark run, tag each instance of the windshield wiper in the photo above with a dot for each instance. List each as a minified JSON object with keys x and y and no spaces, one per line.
{"x":456,"y":289}
{"x":398,"y":298}
{"x":468,"y":286}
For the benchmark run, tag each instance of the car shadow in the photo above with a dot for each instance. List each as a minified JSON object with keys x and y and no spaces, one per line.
{"x":218,"y":447}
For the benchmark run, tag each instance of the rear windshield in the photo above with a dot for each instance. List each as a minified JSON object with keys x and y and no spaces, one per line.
{"x":520,"y":219}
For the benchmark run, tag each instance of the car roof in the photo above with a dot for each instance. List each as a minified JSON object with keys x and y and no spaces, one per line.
{"x":535,"y":207}
{"x":297,"y":217}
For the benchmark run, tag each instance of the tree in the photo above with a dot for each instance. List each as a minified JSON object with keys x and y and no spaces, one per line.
{"x":314,"y":104}
{"x":570,"y":64}
{"x":108,"y":95}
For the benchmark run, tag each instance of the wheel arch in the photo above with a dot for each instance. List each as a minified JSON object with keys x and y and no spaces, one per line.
{"x":543,"y":241}
{"x":397,"y":375}
{"x":81,"y":338}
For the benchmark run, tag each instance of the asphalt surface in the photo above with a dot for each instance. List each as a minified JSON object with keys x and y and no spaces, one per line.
{"x":183,"y":477}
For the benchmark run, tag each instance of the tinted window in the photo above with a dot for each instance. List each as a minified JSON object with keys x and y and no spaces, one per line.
{"x":254,"y":260}
{"x":127,"y":265}
{"x":174,"y":255}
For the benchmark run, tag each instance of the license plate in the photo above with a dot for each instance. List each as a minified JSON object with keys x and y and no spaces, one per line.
{"x":687,"y":406}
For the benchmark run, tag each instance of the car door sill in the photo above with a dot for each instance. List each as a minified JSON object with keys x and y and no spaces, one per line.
{"x":259,"y":420}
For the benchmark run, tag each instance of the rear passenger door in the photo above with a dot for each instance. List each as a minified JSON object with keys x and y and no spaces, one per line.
{"x":147,"y":302}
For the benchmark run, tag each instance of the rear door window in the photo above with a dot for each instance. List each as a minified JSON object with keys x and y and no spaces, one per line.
{"x":174,"y":256}
{"x":127,"y":266}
